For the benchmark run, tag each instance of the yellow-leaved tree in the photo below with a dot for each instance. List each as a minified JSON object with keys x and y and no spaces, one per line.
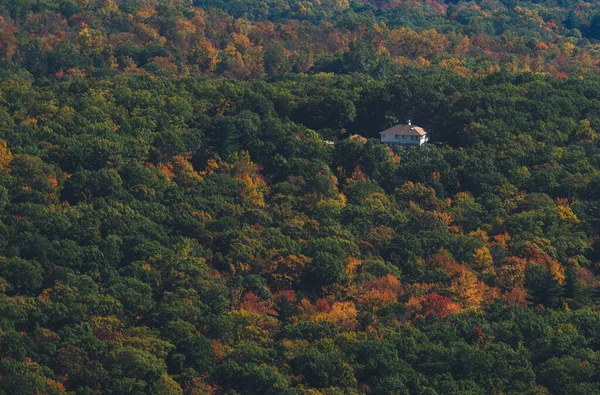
{"x":5,"y":156}
{"x":482,"y":261}
{"x":342,"y":314}
{"x":254,"y":186}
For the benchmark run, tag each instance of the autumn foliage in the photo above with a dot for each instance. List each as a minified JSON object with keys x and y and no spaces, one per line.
{"x":194,"y":197}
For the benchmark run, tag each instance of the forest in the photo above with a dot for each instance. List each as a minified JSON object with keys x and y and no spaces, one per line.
{"x":172,"y":222}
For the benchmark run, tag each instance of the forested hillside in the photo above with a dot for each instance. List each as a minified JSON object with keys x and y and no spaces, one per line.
{"x":172,"y":222}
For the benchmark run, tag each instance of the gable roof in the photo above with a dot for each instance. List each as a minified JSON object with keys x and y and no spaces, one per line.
{"x":406,"y":130}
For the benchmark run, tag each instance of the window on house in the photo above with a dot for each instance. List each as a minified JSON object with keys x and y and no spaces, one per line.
{"x":403,"y":137}
{"x":396,"y":136}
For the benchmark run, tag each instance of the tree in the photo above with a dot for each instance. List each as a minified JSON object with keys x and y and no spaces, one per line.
{"x":251,"y":378}
{"x":24,"y":277}
{"x":21,"y":378}
{"x":323,"y":370}
{"x":361,"y":58}
{"x":7,"y":37}
{"x":5,"y":156}
{"x":482,"y":261}
{"x":275,"y":58}
{"x":132,"y":366}
{"x":322,"y":271}
{"x":542,"y":286}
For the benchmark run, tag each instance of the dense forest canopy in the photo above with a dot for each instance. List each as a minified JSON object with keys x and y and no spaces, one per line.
{"x":171,"y":221}
{"x":254,"y":39}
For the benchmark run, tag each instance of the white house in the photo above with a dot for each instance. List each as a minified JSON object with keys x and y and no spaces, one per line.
{"x":404,"y":134}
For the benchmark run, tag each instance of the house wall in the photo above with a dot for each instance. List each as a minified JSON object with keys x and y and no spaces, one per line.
{"x":391,"y":139}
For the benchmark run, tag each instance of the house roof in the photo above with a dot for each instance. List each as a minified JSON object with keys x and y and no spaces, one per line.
{"x":406,"y":130}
